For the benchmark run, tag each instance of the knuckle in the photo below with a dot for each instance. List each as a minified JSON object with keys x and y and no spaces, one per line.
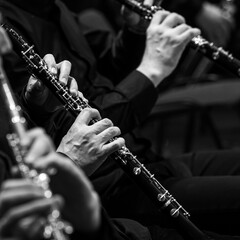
{"x":178,"y":17}
{"x":118,"y":143}
{"x":116,"y":131}
{"x":85,"y":111}
{"x":66,"y":62}
{"x":41,"y":132}
{"x":94,"y":151}
{"x":111,"y":132}
{"x":107,"y":122}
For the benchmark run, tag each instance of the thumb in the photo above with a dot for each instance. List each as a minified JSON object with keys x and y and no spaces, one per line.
{"x":130,"y":17}
{"x":34,"y":90}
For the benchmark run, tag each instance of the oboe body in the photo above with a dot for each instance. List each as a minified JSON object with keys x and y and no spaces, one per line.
{"x":126,"y":160}
{"x":208,"y":49}
{"x":55,"y":228}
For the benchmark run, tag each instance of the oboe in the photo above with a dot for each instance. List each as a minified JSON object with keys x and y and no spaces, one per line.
{"x":208,"y":49}
{"x":55,"y":228}
{"x":126,"y":160}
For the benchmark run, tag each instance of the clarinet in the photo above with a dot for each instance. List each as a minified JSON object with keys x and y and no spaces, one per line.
{"x":124,"y":158}
{"x":55,"y":228}
{"x":208,"y":49}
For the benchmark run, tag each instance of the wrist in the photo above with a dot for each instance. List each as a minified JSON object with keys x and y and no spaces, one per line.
{"x":155,"y":75}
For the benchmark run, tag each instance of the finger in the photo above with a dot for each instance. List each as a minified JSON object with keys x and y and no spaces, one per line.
{"x":51,"y":63}
{"x":181,"y":29}
{"x":40,"y":207}
{"x":30,"y":228}
{"x":114,"y":146}
{"x":129,"y":16}
{"x":148,"y":2}
{"x":64,"y":68}
{"x":109,"y":133}
{"x":158,"y":3}
{"x":173,"y":20}
{"x":189,"y":34}
{"x":101,"y":125}
{"x":16,"y":183}
{"x":80,"y":95}
{"x":51,"y":161}
{"x":34,"y":87}
{"x":18,"y":196}
{"x":72,"y":86}
{"x":39,"y":144}
{"x":159,"y":17}
{"x":87,"y":115}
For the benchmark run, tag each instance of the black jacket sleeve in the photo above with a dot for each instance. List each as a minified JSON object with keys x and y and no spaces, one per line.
{"x":115,"y":229}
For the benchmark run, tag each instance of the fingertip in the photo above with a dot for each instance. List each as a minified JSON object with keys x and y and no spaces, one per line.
{"x":53,"y":70}
{"x":63,"y":81}
{"x":74,"y":92}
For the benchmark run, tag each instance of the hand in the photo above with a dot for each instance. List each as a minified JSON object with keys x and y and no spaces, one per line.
{"x":36,"y":92}
{"x":216,"y":25}
{"x":167,"y":37}
{"x":23,"y":210}
{"x":82,"y":205}
{"x":88,"y":145}
{"x":82,"y":208}
{"x":37,"y":144}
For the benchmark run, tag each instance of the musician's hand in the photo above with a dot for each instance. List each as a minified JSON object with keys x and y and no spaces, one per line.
{"x":88,"y":144}
{"x":37,"y":144}
{"x":23,"y":210}
{"x":82,"y":208}
{"x":82,"y":205}
{"x":135,"y":22}
{"x":215,"y":25}
{"x":167,"y":37}
{"x":36,"y":92}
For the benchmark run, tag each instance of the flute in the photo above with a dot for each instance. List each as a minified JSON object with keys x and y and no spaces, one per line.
{"x":55,"y":228}
{"x":208,"y":49}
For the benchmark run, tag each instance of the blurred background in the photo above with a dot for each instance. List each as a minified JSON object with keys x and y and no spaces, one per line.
{"x":199,"y":107}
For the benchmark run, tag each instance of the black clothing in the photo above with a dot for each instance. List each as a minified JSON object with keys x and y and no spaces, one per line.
{"x":94,"y":59}
{"x":94,"y":63}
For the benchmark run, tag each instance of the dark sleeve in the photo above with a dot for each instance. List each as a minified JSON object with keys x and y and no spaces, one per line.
{"x":19,"y":77}
{"x":116,"y":55}
{"x":130,"y":102}
{"x":116,"y":229}
{"x":128,"y":105}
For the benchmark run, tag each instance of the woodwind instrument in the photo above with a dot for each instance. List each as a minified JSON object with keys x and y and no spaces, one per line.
{"x":162,"y":199}
{"x":56,"y":228}
{"x":208,"y":49}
